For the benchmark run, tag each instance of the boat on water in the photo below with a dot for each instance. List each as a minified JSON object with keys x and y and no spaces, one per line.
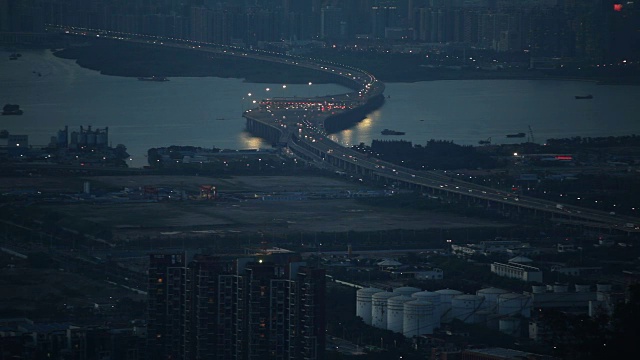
{"x":582,"y":97}
{"x":391,"y":132}
{"x":153,"y":78}
{"x":518,"y":135}
{"x":485,"y":142}
{"x":11,"y":109}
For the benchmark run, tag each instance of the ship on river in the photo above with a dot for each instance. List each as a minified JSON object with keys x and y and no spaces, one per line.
{"x":391,"y":132}
{"x":11,"y":109}
{"x":584,"y":97}
{"x":153,"y":78}
{"x":518,"y":135}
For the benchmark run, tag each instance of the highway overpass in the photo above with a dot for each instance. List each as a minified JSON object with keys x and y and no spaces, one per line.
{"x":300,"y":125}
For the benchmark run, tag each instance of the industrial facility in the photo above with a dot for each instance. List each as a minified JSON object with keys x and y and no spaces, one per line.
{"x":86,"y":138}
{"x":412,"y":312}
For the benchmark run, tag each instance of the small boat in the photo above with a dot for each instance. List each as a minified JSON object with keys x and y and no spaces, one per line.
{"x":518,"y":135}
{"x":391,"y":132}
{"x":153,"y":78}
{"x":11,"y":109}
{"x":485,"y":142}
{"x":582,"y":97}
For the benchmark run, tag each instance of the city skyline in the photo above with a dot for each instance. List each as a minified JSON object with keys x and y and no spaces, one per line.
{"x":591,"y":31}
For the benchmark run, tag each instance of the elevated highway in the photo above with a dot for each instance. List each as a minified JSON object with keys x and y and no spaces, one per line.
{"x":301,"y":125}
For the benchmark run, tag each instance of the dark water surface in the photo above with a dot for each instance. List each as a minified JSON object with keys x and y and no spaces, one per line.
{"x":207,"y":111}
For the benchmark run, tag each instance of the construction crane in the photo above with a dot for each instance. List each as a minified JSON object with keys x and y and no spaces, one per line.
{"x":531,"y":135}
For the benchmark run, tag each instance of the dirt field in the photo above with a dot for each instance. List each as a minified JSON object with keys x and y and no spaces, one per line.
{"x":129,"y":221}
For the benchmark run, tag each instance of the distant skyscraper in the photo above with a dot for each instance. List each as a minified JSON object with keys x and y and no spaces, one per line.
{"x":165,"y":306}
{"x":235,"y":309}
{"x":332,"y":24}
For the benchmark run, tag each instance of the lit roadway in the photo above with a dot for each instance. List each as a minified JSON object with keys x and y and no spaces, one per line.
{"x":300,"y":123}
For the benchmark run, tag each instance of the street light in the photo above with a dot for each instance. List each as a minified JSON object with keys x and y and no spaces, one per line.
{"x":309,"y":89}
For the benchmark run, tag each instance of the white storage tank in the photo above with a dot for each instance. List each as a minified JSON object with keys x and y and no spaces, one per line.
{"x":583,"y":288}
{"x":464,"y":307}
{"x":91,"y":139}
{"x":101,"y":139}
{"x":560,"y":288}
{"x":490,"y":296}
{"x":395,"y":312}
{"x":406,"y":290}
{"x":379,"y":308}
{"x":509,"y":326}
{"x":363,"y":303}
{"x":445,"y":303}
{"x":539,"y":289}
{"x":417,"y":318}
{"x":434,"y":298}
{"x":513,"y":304}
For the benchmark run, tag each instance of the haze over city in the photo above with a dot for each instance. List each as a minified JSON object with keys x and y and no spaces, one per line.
{"x":319,"y":179}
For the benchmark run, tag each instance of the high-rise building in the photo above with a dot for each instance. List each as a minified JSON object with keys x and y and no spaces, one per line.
{"x":332,"y":24}
{"x":165,"y":306}
{"x":242,"y":308}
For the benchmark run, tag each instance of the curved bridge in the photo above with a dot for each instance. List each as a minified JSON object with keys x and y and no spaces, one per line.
{"x":301,"y":126}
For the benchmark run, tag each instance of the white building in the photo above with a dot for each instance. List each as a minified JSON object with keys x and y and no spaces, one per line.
{"x":517,"y":271}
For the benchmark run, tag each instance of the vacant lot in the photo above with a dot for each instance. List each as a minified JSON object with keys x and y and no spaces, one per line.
{"x":132,"y":220}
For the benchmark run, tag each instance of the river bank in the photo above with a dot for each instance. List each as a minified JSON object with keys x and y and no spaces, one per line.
{"x":120,"y":58}
{"x":135,"y":60}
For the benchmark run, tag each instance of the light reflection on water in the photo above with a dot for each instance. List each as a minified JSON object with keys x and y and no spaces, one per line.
{"x":206,"y":111}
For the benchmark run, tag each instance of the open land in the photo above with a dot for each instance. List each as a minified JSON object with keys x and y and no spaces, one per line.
{"x":295,"y":213}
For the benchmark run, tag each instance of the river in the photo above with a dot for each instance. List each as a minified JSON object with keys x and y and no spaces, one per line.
{"x":206,"y":111}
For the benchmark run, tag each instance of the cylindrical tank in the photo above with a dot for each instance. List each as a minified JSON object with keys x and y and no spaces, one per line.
{"x":74,"y":137}
{"x":395,"y":312}
{"x":417,"y":318}
{"x":603,"y":287}
{"x":490,"y":296}
{"x":482,"y":316}
{"x":363,"y":303}
{"x":91,"y":138}
{"x":513,"y":304}
{"x":560,"y":288}
{"x":379,"y":308}
{"x":583,"y":288}
{"x":406,"y":290}
{"x":509,"y":326}
{"x":464,"y":307}
{"x":434,"y":298}
{"x":445,"y":303}
{"x":491,"y":321}
{"x":101,"y":139}
{"x":539,"y":289}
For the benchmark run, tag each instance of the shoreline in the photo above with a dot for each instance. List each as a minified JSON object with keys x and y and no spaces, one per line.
{"x":142,"y":60}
